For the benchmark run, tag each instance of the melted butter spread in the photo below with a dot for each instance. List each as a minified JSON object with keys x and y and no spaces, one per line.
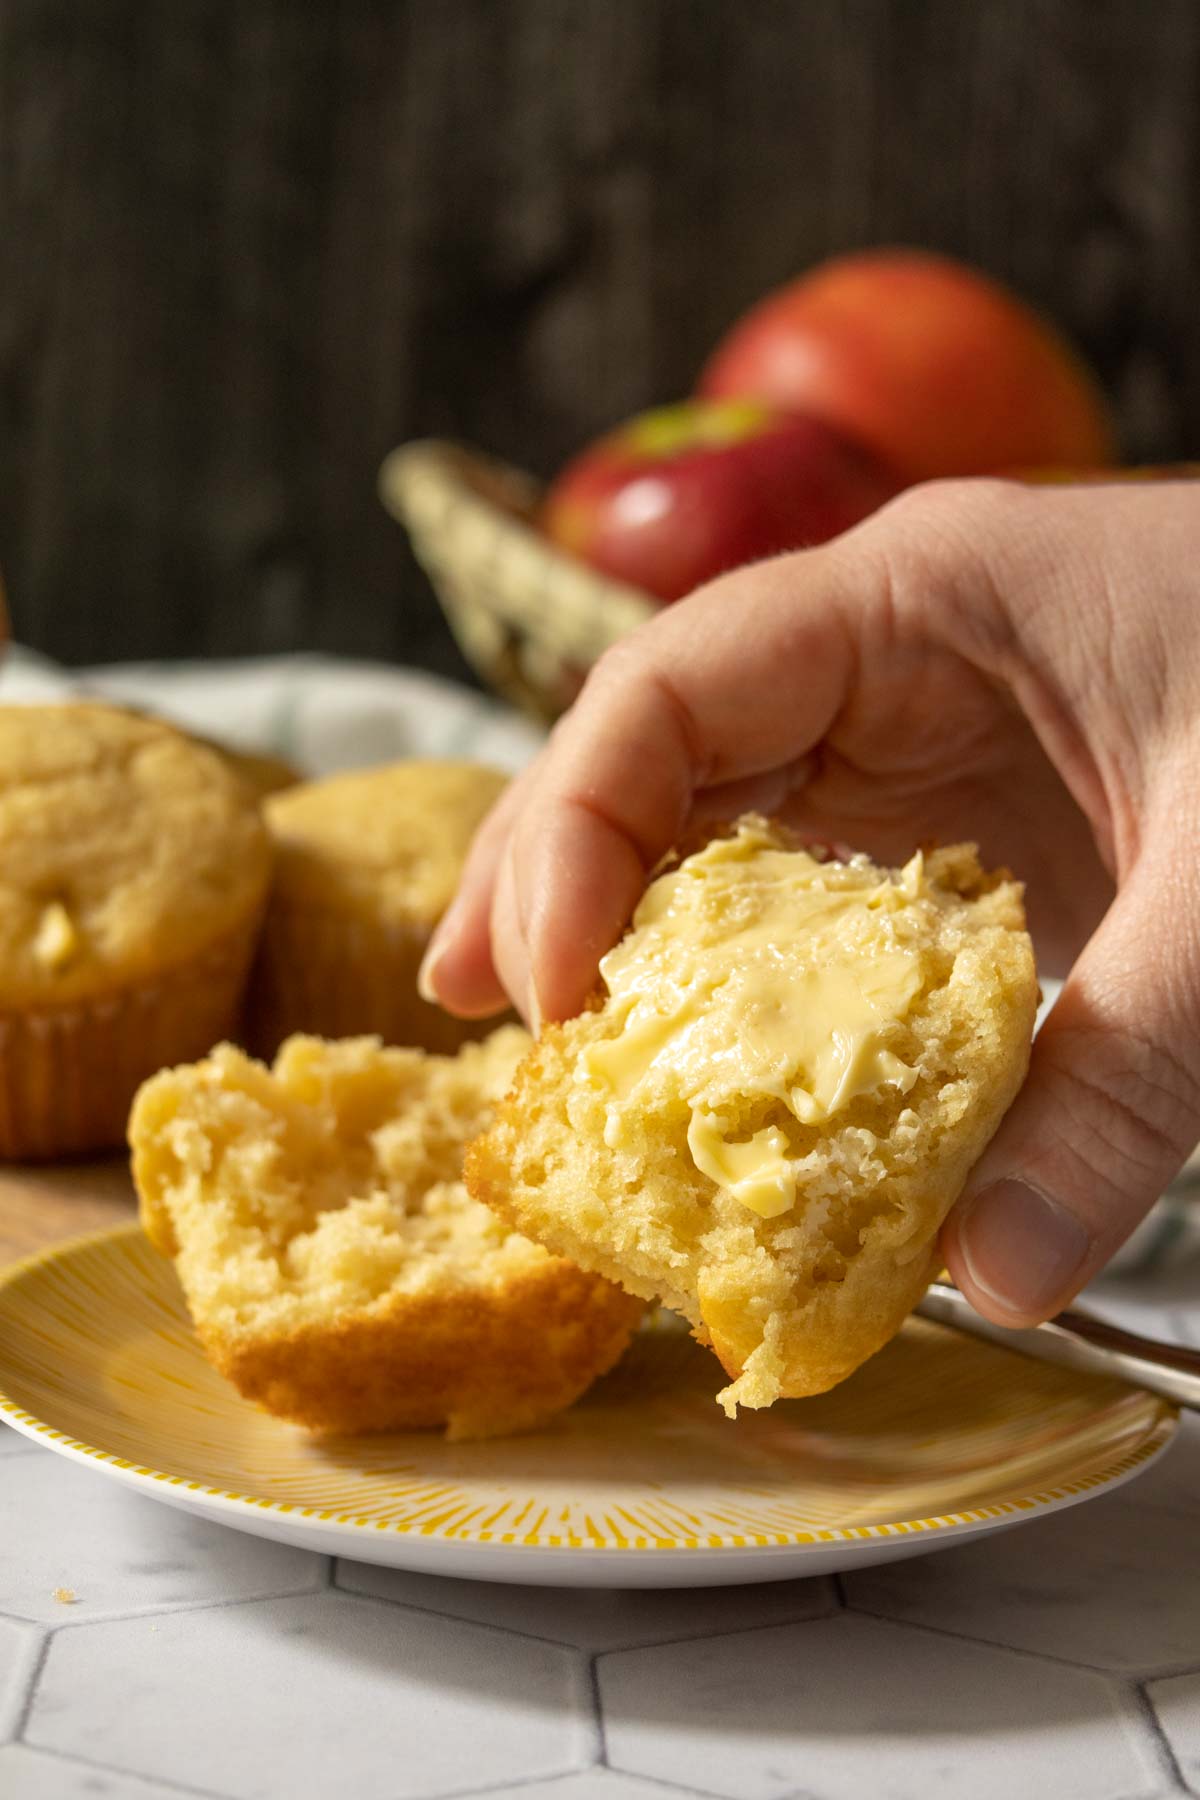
{"x":755,"y":972}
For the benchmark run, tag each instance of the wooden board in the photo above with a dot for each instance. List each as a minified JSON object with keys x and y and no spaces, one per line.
{"x":260,"y":244}
{"x":45,"y":1203}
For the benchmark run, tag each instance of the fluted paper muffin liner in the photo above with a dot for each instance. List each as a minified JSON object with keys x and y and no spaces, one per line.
{"x":322,"y":972}
{"x":68,"y":1074}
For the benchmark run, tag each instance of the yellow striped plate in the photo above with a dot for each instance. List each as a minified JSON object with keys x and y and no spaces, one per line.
{"x":644,"y":1483}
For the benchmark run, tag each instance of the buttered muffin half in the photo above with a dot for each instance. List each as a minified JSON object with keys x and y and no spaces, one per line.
{"x":334,"y":1265}
{"x":765,"y":1116}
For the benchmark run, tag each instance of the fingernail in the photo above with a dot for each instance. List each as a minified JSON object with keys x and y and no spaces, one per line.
{"x":533,"y":1011}
{"x":429,"y":963}
{"x":1021,"y":1248}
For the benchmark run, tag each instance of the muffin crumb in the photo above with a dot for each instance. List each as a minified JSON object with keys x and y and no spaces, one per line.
{"x":335,"y":1267}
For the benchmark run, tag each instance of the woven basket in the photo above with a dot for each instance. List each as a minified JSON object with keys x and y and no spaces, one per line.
{"x":529,"y":619}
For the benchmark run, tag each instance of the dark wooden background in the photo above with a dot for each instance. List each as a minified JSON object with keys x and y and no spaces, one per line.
{"x":248,"y":245}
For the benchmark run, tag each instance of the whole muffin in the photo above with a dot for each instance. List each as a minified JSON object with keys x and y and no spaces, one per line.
{"x":366,"y":863}
{"x":133,"y":872}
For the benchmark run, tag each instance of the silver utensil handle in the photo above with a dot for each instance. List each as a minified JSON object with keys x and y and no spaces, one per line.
{"x":1078,"y":1341}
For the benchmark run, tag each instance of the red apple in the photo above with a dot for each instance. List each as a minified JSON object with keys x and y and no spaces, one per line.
{"x":680,"y":494}
{"x":930,"y":365}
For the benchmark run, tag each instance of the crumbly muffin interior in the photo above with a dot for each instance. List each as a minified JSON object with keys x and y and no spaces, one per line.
{"x":789,"y":1300}
{"x":326,"y":1185}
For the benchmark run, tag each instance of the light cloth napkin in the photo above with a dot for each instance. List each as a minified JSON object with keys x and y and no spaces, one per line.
{"x":323,"y":714}
{"x":318,"y":713}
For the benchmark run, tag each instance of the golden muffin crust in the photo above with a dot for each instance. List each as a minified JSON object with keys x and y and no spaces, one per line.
{"x":366,"y":863}
{"x":335,"y":1267}
{"x":385,"y":845}
{"x":261,"y":773}
{"x":814,"y":1232}
{"x":126,"y":849}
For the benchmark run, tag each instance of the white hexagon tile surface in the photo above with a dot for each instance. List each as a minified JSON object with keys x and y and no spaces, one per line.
{"x":589,"y":1784}
{"x":13,"y":1444}
{"x":1106,"y":1585}
{"x":597,"y":1618}
{"x":33,"y":1775}
{"x":320,"y":1694}
{"x":1061,"y":1660}
{"x":19,"y":1646}
{"x":848,"y":1708}
{"x":1176,"y":1703}
{"x":62,"y":1527}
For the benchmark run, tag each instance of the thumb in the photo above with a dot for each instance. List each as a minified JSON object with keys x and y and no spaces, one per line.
{"x":1108,"y":1113}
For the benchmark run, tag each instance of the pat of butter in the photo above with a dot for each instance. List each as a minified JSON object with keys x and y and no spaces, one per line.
{"x":57,"y":939}
{"x":751,"y":974}
{"x":756,"y":1172}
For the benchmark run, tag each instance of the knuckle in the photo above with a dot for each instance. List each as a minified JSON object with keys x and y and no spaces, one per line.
{"x":631,"y":663}
{"x":633,"y":695}
{"x":612,"y":663}
{"x":616,"y":672}
{"x":944,"y":546}
{"x":954,"y":508}
{"x":1131,"y":1105}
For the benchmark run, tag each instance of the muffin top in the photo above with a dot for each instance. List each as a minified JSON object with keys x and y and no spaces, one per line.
{"x":125,"y":848}
{"x":383,"y":845}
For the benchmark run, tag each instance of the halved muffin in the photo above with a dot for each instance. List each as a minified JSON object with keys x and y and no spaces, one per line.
{"x":765,"y":1118}
{"x":335,"y":1267}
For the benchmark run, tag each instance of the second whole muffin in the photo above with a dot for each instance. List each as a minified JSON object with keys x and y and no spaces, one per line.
{"x":366,"y":863}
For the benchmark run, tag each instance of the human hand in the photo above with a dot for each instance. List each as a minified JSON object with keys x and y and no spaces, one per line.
{"x":979,"y":660}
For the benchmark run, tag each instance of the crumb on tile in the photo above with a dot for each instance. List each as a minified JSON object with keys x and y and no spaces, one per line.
{"x":65,"y":1596}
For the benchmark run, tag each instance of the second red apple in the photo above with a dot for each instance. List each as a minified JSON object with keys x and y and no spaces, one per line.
{"x":681,"y":494}
{"x":926,"y":362}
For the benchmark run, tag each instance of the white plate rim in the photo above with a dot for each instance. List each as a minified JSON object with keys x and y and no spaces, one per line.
{"x":242,"y":1512}
{"x":247,"y":1512}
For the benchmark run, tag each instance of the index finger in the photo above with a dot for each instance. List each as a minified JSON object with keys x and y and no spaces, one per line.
{"x":745,"y":676}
